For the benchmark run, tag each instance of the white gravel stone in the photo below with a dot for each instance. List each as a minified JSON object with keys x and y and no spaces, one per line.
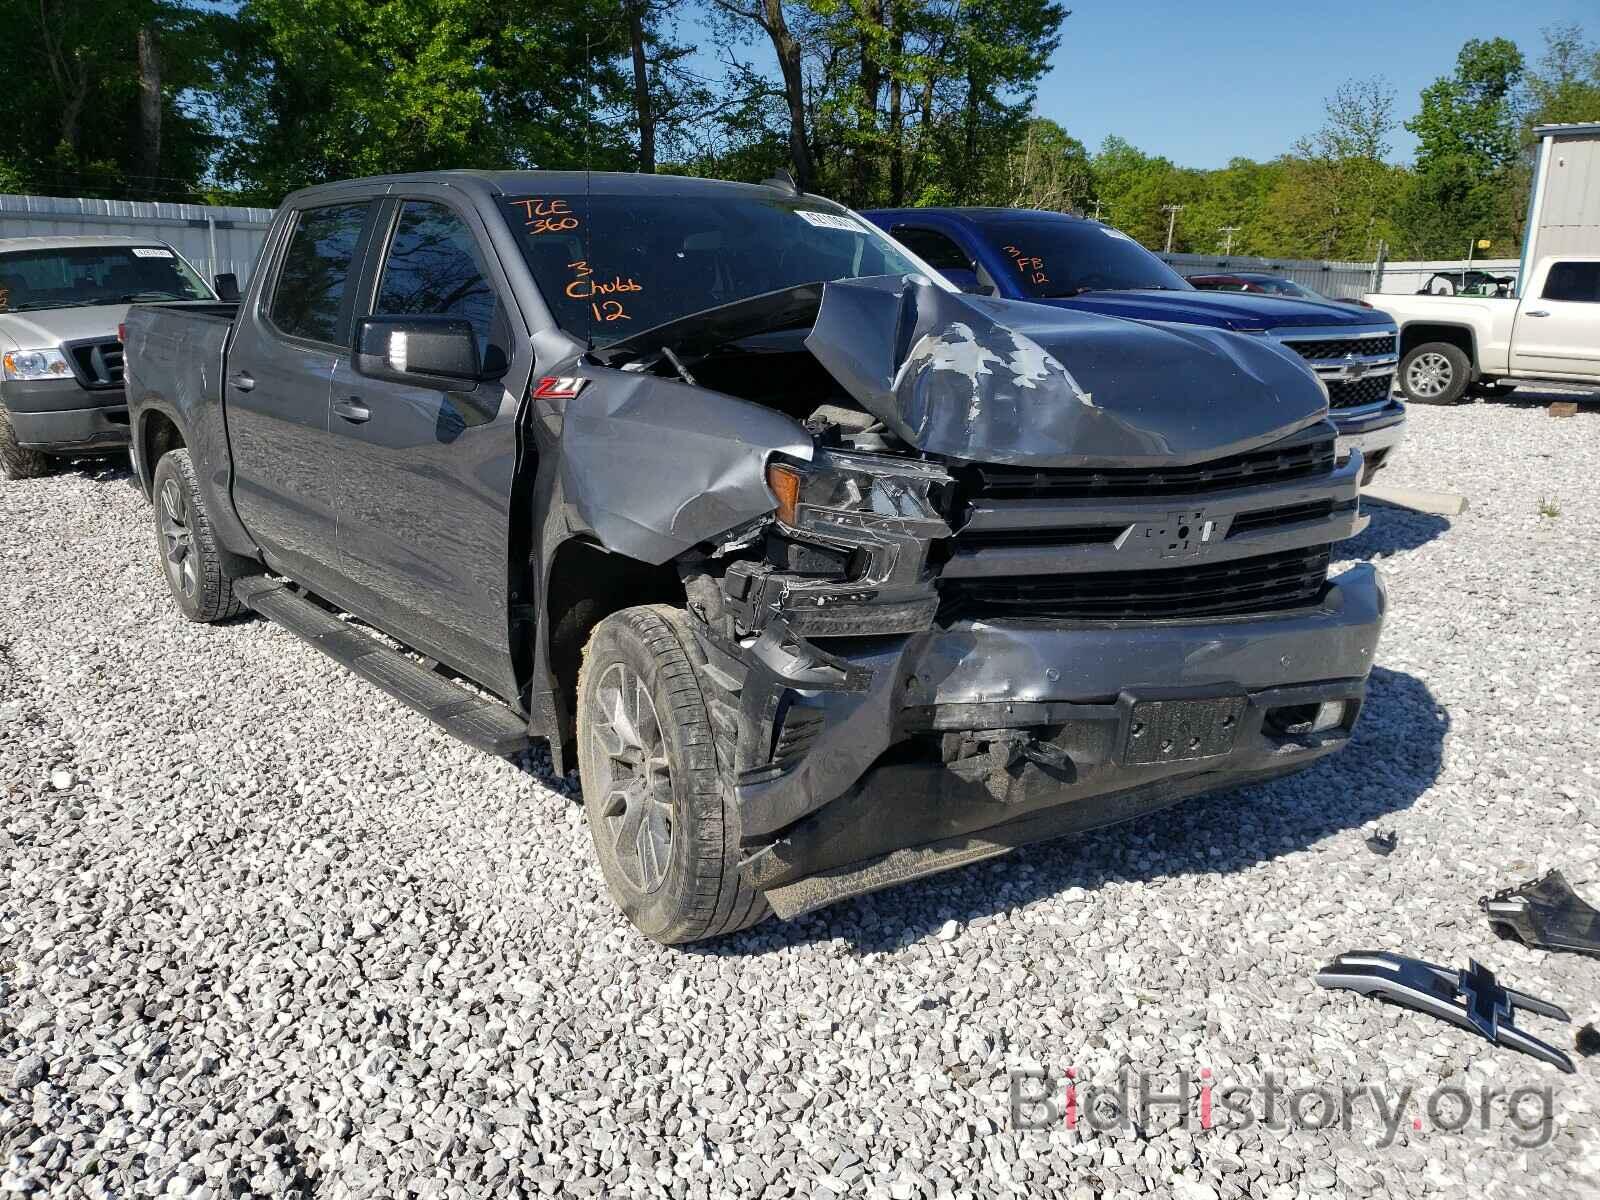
{"x":280,"y":936}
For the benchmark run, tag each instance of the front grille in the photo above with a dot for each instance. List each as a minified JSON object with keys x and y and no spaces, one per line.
{"x":1308,"y":456}
{"x":1268,"y":518}
{"x":1267,"y":583}
{"x":98,"y":364}
{"x":1367,"y":347}
{"x":1353,"y":393}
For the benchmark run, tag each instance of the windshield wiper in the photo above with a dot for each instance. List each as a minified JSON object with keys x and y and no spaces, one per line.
{"x":134,"y":297}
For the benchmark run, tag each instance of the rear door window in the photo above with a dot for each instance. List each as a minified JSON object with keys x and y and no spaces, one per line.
{"x":309,"y":298}
{"x":1579,"y":281}
{"x":434,"y":269}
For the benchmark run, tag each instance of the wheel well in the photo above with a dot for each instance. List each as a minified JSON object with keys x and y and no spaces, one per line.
{"x":158,"y":436}
{"x":586,"y":585}
{"x":1459,"y":336}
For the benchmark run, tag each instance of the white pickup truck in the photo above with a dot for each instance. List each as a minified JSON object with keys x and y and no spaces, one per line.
{"x":1550,"y":332}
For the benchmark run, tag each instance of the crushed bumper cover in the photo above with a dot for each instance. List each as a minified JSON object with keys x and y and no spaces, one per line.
{"x":910,"y":755}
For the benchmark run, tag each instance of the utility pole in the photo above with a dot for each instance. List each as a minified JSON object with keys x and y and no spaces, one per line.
{"x":1172,"y":211}
{"x":1227,"y":231}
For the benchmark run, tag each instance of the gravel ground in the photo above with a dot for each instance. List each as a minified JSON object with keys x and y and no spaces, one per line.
{"x":264,"y":930}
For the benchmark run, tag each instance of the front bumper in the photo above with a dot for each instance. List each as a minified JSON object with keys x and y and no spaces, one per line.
{"x":1376,"y":431}
{"x":60,"y":417}
{"x":914,"y":754}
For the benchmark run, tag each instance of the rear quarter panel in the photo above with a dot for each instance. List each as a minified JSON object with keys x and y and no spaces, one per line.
{"x":175,"y":356}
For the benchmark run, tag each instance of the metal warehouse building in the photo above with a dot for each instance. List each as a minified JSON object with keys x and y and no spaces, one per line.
{"x":1564,"y":210}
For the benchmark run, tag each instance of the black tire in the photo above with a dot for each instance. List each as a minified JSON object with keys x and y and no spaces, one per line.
{"x":196,"y":570}
{"x":1493,"y":391}
{"x":18,"y":462}
{"x":664,"y":825}
{"x":1435,"y":373}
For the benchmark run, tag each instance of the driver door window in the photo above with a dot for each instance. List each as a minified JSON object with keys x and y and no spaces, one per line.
{"x":433,"y":269}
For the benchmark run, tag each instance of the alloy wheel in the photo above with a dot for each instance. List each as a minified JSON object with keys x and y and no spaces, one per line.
{"x":636,"y":787}
{"x":177,"y":540}
{"x":1429,"y":374}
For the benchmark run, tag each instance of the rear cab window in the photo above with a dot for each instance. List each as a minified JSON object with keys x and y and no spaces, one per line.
{"x":308,"y":299}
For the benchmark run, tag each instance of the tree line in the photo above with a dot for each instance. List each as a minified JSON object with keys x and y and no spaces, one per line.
{"x":873,"y":102}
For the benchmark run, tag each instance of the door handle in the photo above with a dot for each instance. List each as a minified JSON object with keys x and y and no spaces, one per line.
{"x":352,"y":410}
{"x":1538,"y":312}
{"x":242,"y":380}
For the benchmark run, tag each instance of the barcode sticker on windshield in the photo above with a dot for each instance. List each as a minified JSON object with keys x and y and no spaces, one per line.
{"x":824,"y":220}
{"x":150,"y":252}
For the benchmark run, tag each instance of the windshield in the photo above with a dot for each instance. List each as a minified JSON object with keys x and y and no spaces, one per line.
{"x":610,"y":266}
{"x":1066,"y":257}
{"x":83,"y":276}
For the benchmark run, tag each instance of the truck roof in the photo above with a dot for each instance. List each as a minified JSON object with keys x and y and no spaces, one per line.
{"x":63,"y":242}
{"x":521,"y":183}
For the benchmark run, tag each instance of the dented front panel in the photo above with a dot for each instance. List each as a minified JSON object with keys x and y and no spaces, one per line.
{"x":1001,"y":381}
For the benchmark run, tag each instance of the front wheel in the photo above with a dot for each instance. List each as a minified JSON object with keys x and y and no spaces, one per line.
{"x":16,"y":461}
{"x":665,"y":828}
{"x":1435,"y":373}
{"x":195,"y":569}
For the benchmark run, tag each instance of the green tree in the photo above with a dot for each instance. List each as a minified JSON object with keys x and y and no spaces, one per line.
{"x":86,"y":114}
{"x":1467,"y":147}
{"x":327,"y":89}
{"x":1565,"y":87}
{"x":1335,"y":194}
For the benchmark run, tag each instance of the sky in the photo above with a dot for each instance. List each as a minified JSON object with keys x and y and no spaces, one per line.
{"x":1204,"y":81}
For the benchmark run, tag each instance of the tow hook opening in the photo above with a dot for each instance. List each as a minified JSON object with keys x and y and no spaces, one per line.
{"x":1296,"y":720}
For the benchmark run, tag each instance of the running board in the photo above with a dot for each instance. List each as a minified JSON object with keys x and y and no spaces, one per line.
{"x":480,"y":722}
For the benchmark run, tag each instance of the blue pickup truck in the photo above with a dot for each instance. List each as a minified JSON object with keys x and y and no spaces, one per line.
{"x":1069,"y":262}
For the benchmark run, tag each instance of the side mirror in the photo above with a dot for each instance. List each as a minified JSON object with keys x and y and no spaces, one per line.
{"x":226,"y":286}
{"x":425,"y":351}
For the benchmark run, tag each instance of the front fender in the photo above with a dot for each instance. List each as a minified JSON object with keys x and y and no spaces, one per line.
{"x":651,"y":466}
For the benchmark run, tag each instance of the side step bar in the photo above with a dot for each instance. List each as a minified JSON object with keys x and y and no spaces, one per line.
{"x":486,"y":724}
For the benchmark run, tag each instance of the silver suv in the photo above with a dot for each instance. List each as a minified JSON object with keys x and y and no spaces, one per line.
{"x":61,"y":302}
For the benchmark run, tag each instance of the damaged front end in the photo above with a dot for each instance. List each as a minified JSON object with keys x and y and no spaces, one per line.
{"x":1000,"y":600}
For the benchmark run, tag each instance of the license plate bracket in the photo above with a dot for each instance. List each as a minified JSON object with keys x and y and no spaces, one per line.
{"x":1180,"y":729}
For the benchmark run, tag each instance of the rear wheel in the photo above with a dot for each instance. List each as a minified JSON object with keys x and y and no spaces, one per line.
{"x":665,"y":828}
{"x":1435,"y":373}
{"x":18,"y":462}
{"x":195,"y":569}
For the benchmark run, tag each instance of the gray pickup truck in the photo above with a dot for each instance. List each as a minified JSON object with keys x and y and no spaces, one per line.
{"x":823,"y":574}
{"x":61,"y":301}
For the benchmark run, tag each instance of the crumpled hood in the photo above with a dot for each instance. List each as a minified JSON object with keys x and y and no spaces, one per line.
{"x":1227,"y":310}
{"x":49,"y":327}
{"x":1004,"y":381}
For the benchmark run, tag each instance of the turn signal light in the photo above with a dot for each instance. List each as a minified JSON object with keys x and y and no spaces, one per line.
{"x":558,"y":387}
{"x":785,"y":484}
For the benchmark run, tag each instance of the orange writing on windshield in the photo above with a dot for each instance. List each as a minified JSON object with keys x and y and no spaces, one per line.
{"x":547,"y":216}
{"x":1030,"y":265}
{"x":584,"y":286}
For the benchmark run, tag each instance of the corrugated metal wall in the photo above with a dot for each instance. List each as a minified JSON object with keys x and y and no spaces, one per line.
{"x":214,"y":238}
{"x":1569,"y":222}
{"x":1340,"y":280}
